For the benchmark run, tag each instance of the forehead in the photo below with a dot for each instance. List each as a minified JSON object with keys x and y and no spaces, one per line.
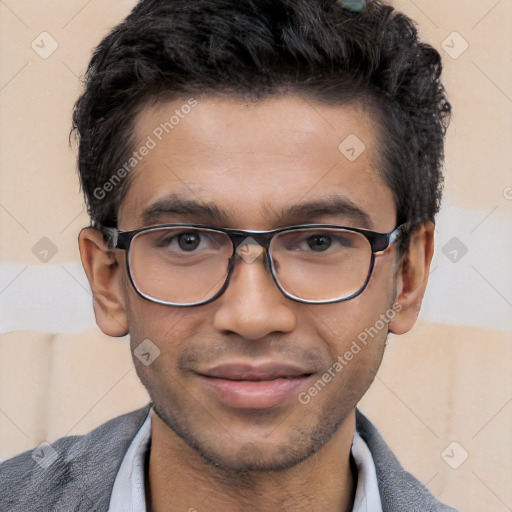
{"x":253,"y":162}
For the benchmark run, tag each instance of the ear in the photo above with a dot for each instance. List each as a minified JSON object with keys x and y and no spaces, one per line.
{"x":412,"y":278}
{"x":104,"y":273}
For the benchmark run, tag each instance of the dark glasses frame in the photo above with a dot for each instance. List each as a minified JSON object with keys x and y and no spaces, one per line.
{"x":379,"y":242}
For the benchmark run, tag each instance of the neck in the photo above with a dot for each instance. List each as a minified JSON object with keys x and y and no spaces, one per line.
{"x":179,"y":479}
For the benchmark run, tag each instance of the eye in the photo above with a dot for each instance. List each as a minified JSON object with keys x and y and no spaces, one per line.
{"x":319,"y":243}
{"x":185,"y":241}
{"x":189,"y":241}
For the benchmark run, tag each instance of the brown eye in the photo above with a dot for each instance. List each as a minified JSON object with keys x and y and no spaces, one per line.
{"x":189,"y":241}
{"x":319,"y":243}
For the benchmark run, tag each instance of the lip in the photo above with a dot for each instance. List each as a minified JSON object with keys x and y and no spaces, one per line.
{"x":256,"y":372}
{"x":254,"y":386}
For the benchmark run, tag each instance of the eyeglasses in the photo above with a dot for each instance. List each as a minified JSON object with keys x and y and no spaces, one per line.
{"x":191,"y":264}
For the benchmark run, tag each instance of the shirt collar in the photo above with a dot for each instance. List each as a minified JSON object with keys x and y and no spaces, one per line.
{"x":128,"y":494}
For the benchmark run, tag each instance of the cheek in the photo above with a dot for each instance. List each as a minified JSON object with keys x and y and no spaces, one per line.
{"x":165,"y":327}
{"x":158,"y":331}
{"x":359,"y":320}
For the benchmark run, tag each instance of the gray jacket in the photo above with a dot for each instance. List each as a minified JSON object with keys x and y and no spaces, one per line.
{"x":82,"y":474}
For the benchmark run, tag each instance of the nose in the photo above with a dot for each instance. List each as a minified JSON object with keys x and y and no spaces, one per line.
{"x":252,"y":305}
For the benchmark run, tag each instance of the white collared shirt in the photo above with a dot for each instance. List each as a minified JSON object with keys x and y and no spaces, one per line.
{"x":128,"y":493}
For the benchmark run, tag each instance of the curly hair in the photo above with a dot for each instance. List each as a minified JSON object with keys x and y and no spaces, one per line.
{"x":252,"y":49}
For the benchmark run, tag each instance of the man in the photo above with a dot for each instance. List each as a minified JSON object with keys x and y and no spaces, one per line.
{"x":262,"y":179}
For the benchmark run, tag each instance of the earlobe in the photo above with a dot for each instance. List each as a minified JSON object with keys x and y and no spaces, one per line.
{"x":412,"y":278}
{"x":103,"y":272}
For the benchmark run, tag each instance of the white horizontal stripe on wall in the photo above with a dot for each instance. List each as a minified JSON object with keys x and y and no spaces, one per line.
{"x":471,"y":274}
{"x":47,"y":298}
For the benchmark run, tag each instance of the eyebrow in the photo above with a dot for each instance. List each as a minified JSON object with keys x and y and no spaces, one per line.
{"x":177,"y":205}
{"x":335,"y":205}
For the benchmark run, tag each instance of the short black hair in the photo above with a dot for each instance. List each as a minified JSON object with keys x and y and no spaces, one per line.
{"x":254,"y":49}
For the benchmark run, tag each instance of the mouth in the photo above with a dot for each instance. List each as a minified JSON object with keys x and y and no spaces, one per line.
{"x":255,"y":386}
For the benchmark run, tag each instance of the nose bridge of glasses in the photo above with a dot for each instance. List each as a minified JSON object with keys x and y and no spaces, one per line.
{"x":250,"y":246}
{"x":259,"y":237}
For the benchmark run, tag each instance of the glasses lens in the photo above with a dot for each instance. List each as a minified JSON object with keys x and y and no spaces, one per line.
{"x":321,"y":264}
{"x":180,"y":265}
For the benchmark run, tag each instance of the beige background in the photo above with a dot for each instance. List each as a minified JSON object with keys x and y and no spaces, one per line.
{"x":449,"y":380}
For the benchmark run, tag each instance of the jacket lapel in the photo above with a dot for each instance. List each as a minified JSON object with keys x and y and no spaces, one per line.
{"x":399,"y":490}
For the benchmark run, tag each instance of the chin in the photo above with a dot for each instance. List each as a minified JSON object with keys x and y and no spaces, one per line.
{"x":288,"y":447}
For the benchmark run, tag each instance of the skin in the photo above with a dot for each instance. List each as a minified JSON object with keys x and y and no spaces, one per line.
{"x":254,"y":161}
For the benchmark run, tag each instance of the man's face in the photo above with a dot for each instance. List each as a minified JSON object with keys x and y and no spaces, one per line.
{"x":254,"y":163}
